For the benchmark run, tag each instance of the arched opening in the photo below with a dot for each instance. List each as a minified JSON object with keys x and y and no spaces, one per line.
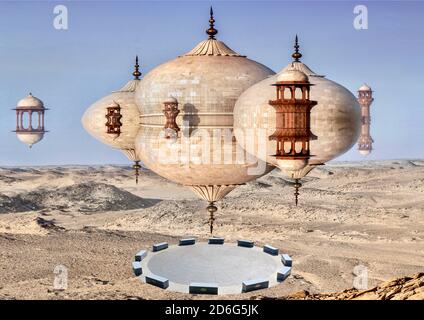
{"x":35,"y":123}
{"x":286,"y":93}
{"x":24,"y":120}
{"x":298,"y":146}
{"x":298,"y":93}
{"x":287,"y":147}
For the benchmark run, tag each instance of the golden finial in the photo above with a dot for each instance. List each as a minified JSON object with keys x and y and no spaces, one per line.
{"x":296,"y":55}
{"x":296,"y":185}
{"x":211,"y":31}
{"x":136,"y":72}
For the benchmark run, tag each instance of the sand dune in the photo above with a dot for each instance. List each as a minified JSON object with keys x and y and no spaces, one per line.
{"x":92,"y":219}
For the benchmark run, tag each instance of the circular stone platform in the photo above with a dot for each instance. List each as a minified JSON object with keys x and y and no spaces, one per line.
{"x":225,"y":265}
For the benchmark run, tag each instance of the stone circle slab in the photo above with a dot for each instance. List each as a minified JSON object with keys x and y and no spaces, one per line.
{"x":226,"y":266}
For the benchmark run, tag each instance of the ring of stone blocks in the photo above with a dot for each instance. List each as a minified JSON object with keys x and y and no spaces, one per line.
{"x":207,"y":288}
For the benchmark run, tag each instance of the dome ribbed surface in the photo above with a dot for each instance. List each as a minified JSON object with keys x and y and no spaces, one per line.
{"x":212,"y":47}
{"x":299,"y":66}
{"x":130,"y":86}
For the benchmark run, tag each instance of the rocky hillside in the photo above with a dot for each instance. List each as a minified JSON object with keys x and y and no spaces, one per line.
{"x":15,"y":204}
{"x":406,"y":288}
{"x":83,"y":197}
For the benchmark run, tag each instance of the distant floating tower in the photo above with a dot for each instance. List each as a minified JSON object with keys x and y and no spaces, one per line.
{"x":30,"y":120}
{"x":365,"y":99}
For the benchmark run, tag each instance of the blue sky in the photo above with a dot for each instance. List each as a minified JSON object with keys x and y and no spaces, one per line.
{"x":69,"y":70}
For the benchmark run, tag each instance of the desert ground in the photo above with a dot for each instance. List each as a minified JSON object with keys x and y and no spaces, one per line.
{"x":93,"y":219}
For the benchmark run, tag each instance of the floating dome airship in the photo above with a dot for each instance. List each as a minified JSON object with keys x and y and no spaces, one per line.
{"x":114,"y":119}
{"x":30,"y":120}
{"x":335,"y":120}
{"x":205,"y":119}
{"x":195,"y":94}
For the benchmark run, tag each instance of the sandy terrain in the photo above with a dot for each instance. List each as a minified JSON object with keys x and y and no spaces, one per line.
{"x":94,"y":219}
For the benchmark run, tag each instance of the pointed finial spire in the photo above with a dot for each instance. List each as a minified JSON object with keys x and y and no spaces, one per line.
{"x":212,"y":209}
{"x":296,"y":185}
{"x":136,"y":168}
{"x":296,"y":55}
{"x":136,"y":72}
{"x":211,"y":31}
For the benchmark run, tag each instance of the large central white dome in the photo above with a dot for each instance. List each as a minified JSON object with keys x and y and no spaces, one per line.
{"x":206,"y":82}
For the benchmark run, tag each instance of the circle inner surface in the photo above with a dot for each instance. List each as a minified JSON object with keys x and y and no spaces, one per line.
{"x":225,"y":265}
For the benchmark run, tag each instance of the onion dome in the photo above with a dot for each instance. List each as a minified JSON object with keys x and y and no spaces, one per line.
{"x":335,"y":120}
{"x":206,"y":81}
{"x":95,"y":119}
{"x":113,"y":120}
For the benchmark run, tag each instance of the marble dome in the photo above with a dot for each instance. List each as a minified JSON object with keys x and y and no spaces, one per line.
{"x":30,"y":138}
{"x":30,"y":102}
{"x":94,"y":119}
{"x":364,"y":87}
{"x":206,"y":82}
{"x":364,"y":152}
{"x":335,"y":120}
{"x":292,"y":74}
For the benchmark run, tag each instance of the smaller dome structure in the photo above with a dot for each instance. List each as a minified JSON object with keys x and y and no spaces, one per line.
{"x":30,"y":138}
{"x":113,"y":120}
{"x":364,"y":87}
{"x":30,"y":102}
{"x":171,"y":99}
{"x":335,"y":120}
{"x":292,"y":75}
{"x":365,"y":152}
{"x":30,"y":120}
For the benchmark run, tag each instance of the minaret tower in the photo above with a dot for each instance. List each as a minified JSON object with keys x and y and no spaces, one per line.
{"x":365,"y":99}
{"x":293,"y":120}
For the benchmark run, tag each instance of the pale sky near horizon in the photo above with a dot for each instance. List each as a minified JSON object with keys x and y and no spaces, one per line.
{"x":71,"y":69}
